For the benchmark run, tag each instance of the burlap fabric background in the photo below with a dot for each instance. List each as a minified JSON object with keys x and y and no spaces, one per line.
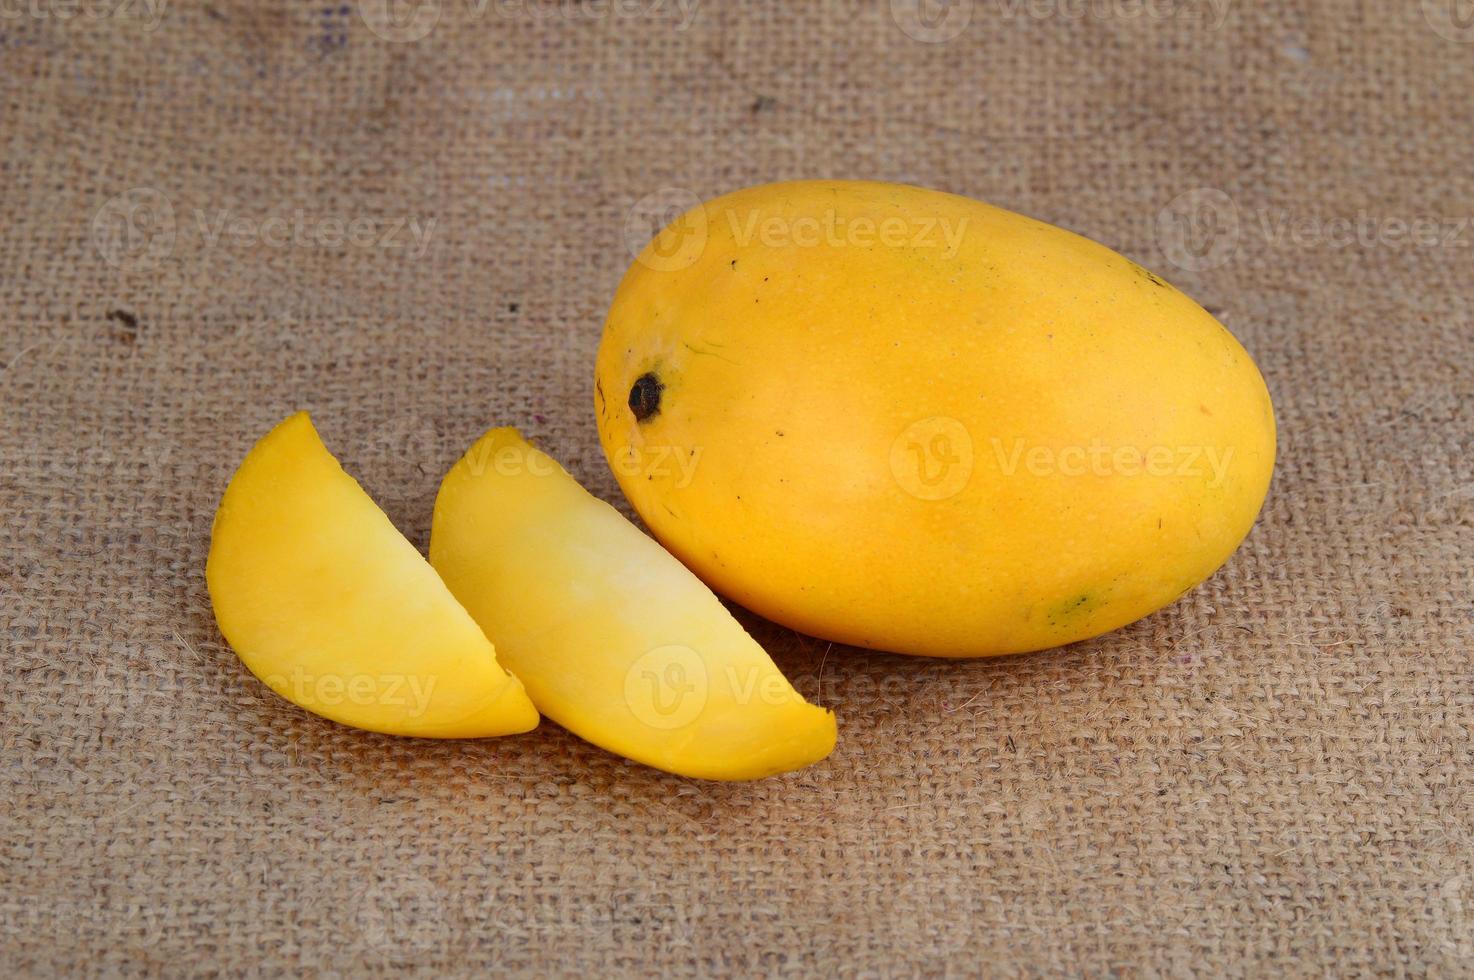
{"x":1272,"y":776}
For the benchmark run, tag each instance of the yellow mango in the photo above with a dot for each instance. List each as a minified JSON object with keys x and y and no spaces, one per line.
{"x":615,"y":639}
{"x":907,"y":420}
{"x":335,"y":610}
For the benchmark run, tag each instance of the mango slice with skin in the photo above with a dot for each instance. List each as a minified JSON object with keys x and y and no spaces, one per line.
{"x":616,"y":640}
{"x":329,"y":605}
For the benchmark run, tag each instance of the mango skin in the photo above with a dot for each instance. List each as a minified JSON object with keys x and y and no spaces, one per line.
{"x":902,"y":419}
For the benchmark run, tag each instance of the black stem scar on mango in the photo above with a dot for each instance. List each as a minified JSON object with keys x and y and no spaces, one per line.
{"x":645,"y":396}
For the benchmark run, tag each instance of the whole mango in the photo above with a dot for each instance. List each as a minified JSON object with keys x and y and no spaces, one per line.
{"x":902,"y":419}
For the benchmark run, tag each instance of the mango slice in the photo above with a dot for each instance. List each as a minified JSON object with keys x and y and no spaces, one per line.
{"x":335,"y":610}
{"x":615,"y":639}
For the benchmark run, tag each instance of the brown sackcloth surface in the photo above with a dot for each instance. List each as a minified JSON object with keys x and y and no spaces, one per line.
{"x":1270,"y":777}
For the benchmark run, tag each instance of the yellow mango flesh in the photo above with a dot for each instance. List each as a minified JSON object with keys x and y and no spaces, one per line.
{"x":329,"y":605}
{"x":615,"y":639}
{"x":907,"y":420}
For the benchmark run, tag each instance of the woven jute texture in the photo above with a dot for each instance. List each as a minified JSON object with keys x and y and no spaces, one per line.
{"x":410,"y":221}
